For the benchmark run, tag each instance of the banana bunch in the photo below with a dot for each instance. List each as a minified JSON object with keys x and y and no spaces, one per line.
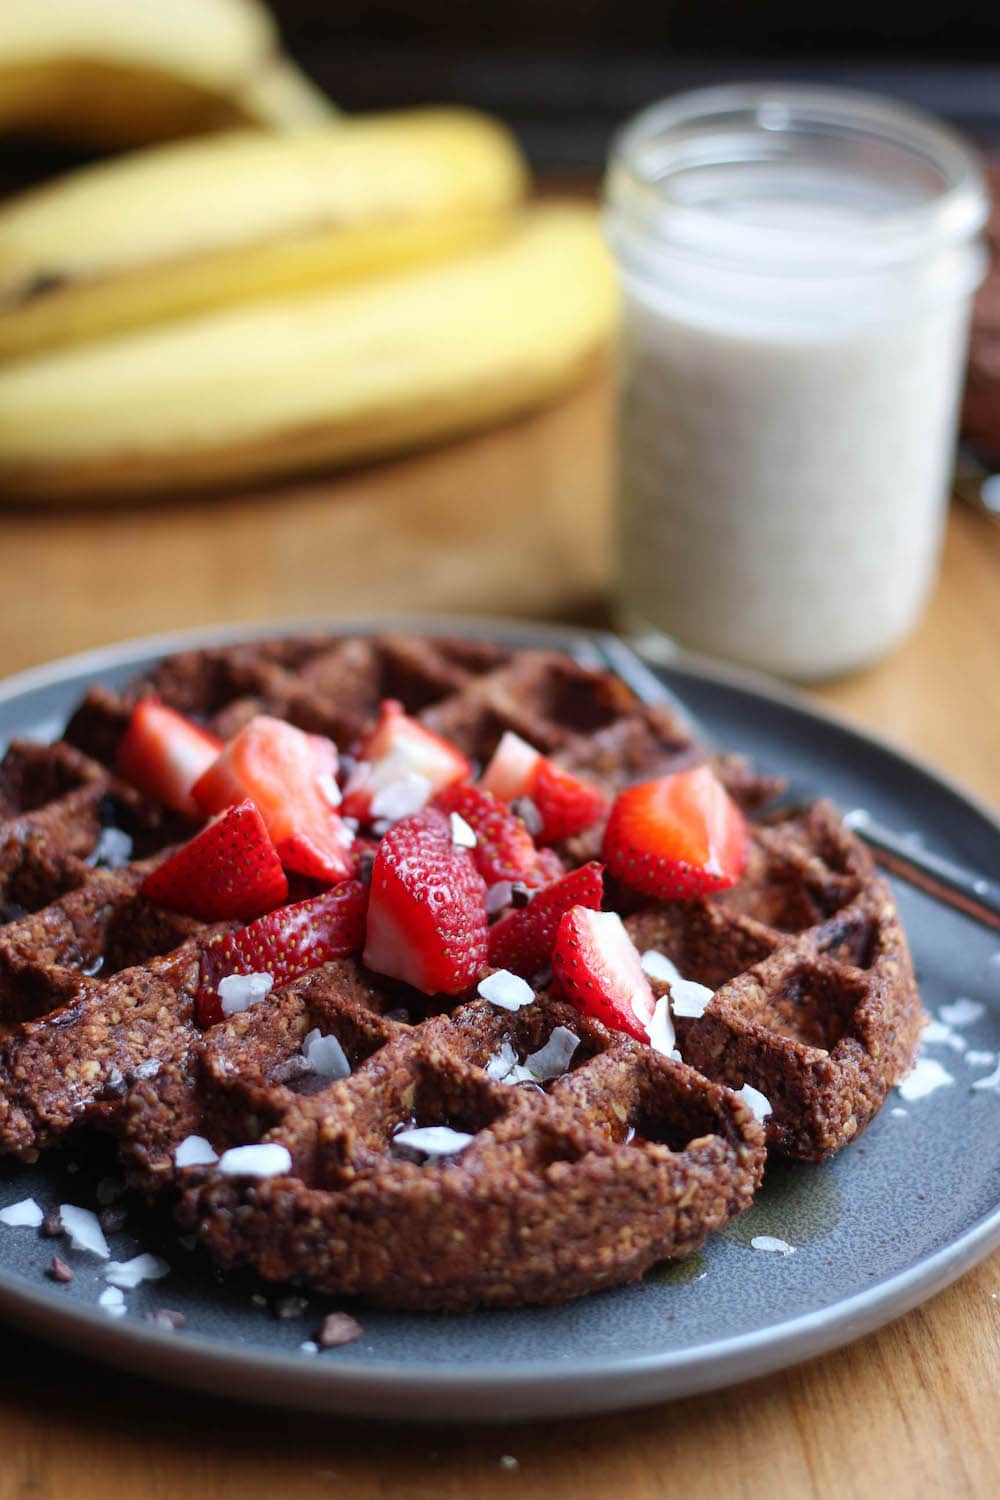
{"x":128,"y":72}
{"x":185,"y":228}
{"x":250,"y":304}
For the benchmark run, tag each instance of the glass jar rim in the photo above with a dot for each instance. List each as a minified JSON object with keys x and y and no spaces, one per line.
{"x":650,"y":149}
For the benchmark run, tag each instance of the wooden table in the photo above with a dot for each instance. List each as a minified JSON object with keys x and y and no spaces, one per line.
{"x":512,"y":523}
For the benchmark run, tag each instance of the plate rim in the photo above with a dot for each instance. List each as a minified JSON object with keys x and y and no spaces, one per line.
{"x":473,"y":1390}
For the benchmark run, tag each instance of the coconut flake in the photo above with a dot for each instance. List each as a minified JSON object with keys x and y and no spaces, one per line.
{"x":498,"y":896}
{"x":758,"y":1102}
{"x":195,"y":1151}
{"x":980,"y":1059}
{"x":309,"y":1346}
{"x":328,"y":789}
{"x":553,"y":1060}
{"x":506,"y":990}
{"x":325,"y":1055}
{"x":500,"y":1064}
{"x":689,"y":999}
{"x":936,"y":1033}
{"x":433,"y":1140}
{"x":504,"y":1067}
{"x":112,"y":850}
{"x":961,"y":1012}
{"x":401,"y":797}
{"x":901,"y":1114}
{"x":84,"y":1230}
{"x":112,"y":1301}
{"x":525,"y":809}
{"x":461,"y":833}
{"x":991,"y":1081}
{"x":129,"y":1273}
{"x":775,"y":1246}
{"x":268,"y":1159}
{"x":25,"y":1214}
{"x":686,"y":997}
{"x":661,"y":1028}
{"x":238,"y":992}
{"x":658,"y":966}
{"x":925,"y":1077}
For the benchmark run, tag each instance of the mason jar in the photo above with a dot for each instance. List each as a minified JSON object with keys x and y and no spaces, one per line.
{"x":797,"y":267}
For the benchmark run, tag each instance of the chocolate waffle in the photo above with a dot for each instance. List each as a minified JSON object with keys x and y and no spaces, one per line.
{"x":568,"y":1184}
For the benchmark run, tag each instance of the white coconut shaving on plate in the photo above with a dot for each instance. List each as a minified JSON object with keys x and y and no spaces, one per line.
{"x":926,"y":1076}
{"x":25,"y":1214}
{"x":962,"y":1012}
{"x":130,"y":1273}
{"x":84,"y":1230}
{"x":991,"y":1082}
{"x":936,"y":1033}
{"x":770,"y":1243}
{"x":112,"y":1302}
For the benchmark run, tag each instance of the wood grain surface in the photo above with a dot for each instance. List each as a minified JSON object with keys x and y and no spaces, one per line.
{"x":517,"y":523}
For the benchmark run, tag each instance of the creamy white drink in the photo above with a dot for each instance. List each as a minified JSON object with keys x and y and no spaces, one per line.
{"x":789,"y":372}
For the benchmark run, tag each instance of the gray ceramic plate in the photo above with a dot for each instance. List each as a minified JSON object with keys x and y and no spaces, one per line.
{"x":893,"y":1219}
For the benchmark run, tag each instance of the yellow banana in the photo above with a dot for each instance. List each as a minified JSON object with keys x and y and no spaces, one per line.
{"x":126,"y":72}
{"x":181,"y":229}
{"x":314,"y":379}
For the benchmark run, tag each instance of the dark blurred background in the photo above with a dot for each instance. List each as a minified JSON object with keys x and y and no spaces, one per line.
{"x":564,"y":73}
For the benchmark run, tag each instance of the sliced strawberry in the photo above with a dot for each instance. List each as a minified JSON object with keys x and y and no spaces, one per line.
{"x":598,"y":969}
{"x":230,"y":869}
{"x":677,"y":837}
{"x":522,"y":941}
{"x":163,"y":754}
{"x":427,"y":908}
{"x":548,"y":867}
{"x":287,"y":774}
{"x":398,"y":750}
{"x":511,"y":768}
{"x":504,"y":848}
{"x":363,"y":852}
{"x":565,"y":804}
{"x":286,"y":943}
